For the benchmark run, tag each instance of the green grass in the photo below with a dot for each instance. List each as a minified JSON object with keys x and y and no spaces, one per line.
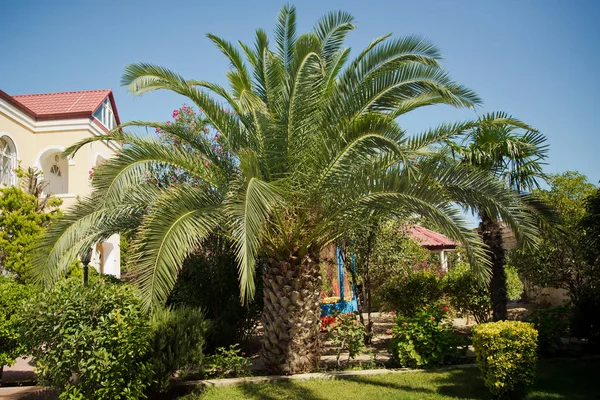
{"x":576,"y":380}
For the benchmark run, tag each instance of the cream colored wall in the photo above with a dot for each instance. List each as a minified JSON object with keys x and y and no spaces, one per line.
{"x":30,"y":147}
{"x":21,"y":135}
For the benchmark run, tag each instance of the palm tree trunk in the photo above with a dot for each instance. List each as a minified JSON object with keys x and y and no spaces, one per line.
{"x":292,"y":314}
{"x":491,"y":234}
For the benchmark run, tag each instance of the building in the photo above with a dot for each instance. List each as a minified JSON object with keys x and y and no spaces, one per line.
{"x":433,"y":241}
{"x":35,"y":129}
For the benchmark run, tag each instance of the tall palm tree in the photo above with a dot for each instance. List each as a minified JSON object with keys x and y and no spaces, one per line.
{"x":308,"y":145}
{"x":515,"y":156}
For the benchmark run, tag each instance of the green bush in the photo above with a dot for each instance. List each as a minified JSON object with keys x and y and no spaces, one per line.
{"x":407,"y":292}
{"x":209,"y":280}
{"x":466,"y":294}
{"x":176,"y":343}
{"x":551,"y":324}
{"x":514,"y":285}
{"x":506,"y":355}
{"x":89,"y":342}
{"x":226,"y":363}
{"x":426,"y":340}
{"x":12,"y":297}
{"x":347,"y":333}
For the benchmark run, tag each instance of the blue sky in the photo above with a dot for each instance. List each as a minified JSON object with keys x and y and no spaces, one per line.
{"x":537,"y":60}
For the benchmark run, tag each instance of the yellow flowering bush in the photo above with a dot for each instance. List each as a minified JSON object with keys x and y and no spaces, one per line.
{"x":506,"y":355}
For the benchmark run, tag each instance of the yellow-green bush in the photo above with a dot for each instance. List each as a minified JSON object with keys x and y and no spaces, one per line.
{"x":506,"y":355}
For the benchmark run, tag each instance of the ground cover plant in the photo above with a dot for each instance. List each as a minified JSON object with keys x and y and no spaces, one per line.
{"x":301,"y":147}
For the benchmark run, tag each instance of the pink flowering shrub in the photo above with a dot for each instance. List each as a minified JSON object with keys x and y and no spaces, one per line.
{"x":194,"y":128}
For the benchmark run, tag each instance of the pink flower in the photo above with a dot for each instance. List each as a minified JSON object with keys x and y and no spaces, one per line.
{"x":175,"y":113}
{"x":207,"y":164}
{"x":389,"y":331}
{"x":184,"y":107}
{"x":157,"y":130}
{"x":168,"y":122}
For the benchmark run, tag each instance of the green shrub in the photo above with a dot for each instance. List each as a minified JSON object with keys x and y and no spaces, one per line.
{"x":426,"y":340}
{"x":407,"y":292}
{"x":89,"y":342}
{"x":176,"y":343}
{"x":551,"y":324}
{"x":506,"y":355}
{"x":514,"y":285}
{"x":346,"y":333}
{"x":226,"y":363}
{"x":466,"y":294}
{"x":209,"y":280}
{"x":12,"y":297}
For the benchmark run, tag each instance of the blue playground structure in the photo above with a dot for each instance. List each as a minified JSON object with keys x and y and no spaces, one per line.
{"x":342,"y":305}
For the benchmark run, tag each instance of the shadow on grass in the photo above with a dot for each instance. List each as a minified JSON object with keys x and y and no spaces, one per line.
{"x":280,"y":390}
{"x":389,"y":385}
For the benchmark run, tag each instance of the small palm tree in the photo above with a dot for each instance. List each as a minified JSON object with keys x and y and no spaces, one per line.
{"x":308,"y":146}
{"x":515,"y":154}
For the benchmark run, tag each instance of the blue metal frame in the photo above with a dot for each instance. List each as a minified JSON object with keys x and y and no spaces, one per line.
{"x":342,"y":306}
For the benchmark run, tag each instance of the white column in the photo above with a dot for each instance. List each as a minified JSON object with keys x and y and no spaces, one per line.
{"x":444,"y":260}
{"x":112,"y":256}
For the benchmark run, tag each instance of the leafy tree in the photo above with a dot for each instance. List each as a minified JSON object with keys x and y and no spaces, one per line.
{"x":567,"y":256}
{"x":383,"y":251}
{"x":308,"y":147}
{"x":23,"y":218}
{"x":515,"y":154}
{"x":590,"y":224}
{"x":559,"y":260}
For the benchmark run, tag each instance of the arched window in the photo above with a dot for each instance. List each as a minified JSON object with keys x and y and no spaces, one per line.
{"x":56,"y":171}
{"x":8,"y":162}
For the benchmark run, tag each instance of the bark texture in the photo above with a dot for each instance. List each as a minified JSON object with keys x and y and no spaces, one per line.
{"x":292,"y":314}
{"x":491,"y":234}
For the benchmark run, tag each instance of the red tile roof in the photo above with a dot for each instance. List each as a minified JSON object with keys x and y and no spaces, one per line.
{"x":430,"y":239}
{"x":62,"y":105}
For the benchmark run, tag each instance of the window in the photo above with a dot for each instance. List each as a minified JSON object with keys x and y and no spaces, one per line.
{"x":8,"y":162}
{"x":105,"y":114}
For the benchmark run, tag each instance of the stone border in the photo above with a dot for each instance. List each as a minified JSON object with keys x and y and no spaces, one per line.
{"x":310,"y":376}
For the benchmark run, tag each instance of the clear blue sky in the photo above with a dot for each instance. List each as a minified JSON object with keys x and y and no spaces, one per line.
{"x":537,"y":60}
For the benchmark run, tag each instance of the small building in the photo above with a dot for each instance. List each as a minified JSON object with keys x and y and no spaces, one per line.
{"x":35,"y":129}
{"x":433,"y":241}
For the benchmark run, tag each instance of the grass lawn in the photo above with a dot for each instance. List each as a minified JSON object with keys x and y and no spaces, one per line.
{"x":556,"y":379}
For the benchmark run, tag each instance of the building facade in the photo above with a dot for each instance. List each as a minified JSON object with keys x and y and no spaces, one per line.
{"x":35,"y":129}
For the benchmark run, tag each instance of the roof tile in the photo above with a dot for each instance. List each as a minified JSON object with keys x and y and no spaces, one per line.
{"x":429,"y":238}
{"x":55,"y":104}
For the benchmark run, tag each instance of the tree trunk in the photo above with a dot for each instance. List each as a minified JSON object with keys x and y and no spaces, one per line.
{"x":491,"y":234}
{"x":292,"y":314}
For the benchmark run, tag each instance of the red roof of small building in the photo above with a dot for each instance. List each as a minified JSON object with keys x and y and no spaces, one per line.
{"x":430,"y":239}
{"x":62,"y":105}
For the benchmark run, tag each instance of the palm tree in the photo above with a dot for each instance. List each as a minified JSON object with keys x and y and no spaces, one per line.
{"x":308,"y":145}
{"x":514,"y":154}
